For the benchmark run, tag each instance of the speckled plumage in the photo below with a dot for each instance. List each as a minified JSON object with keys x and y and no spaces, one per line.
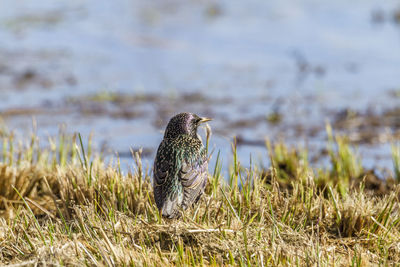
{"x":180,"y":166}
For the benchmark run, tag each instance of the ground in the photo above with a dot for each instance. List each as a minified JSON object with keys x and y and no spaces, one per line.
{"x":66,"y":206}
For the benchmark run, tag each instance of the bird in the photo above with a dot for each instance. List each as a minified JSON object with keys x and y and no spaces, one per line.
{"x":180,"y":166}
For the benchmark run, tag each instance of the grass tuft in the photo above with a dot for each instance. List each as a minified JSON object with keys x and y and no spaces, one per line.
{"x":66,"y":206}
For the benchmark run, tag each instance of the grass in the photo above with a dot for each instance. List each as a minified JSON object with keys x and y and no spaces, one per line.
{"x":66,"y":206}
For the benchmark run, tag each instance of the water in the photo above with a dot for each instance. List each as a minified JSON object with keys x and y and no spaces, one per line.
{"x":236,"y":61}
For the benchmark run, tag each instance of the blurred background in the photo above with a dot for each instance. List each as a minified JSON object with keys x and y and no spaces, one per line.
{"x":262,"y":69}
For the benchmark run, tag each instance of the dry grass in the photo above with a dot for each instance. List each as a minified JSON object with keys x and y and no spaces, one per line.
{"x":63,"y":206}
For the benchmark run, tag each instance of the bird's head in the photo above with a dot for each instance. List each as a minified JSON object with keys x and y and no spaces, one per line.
{"x":184,"y":123}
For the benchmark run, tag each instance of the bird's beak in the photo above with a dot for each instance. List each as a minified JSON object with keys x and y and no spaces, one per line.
{"x":205,"y":120}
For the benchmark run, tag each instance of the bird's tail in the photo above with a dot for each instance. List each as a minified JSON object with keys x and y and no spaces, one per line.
{"x":170,"y":208}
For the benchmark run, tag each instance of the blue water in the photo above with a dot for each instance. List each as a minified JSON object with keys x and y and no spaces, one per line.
{"x":248,"y":58}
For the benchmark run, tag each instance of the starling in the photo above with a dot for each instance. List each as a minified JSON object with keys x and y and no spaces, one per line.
{"x":180,"y":166}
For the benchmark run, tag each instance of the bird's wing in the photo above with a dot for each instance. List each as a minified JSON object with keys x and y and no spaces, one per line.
{"x":193,"y":178}
{"x":160,"y":173}
{"x":160,"y":178}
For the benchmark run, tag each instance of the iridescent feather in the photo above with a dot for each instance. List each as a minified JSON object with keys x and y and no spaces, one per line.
{"x":180,"y":166}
